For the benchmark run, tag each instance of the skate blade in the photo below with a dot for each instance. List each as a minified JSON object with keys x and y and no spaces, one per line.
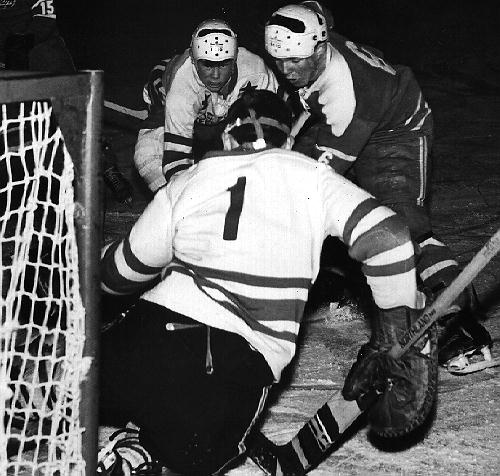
{"x":468,"y":363}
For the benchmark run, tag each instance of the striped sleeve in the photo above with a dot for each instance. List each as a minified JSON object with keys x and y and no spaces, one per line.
{"x":128,"y":264}
{"x":177,"y":154}
{"x":377,"y":238}
{"x":153,"y":95}
{"x":340,"y":152}
{"x":154,"y":91}
{"x":180,"y":113}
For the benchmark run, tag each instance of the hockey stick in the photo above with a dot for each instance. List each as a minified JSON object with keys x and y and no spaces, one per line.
{"x":308,"y":447}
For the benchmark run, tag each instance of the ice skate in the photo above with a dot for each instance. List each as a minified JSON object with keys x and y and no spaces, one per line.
{"x":117,"y":183}
{"x":473,"y":361}
{"x":466,"y":349}
{"x":125,"y":456}
{"x":114,"y":179}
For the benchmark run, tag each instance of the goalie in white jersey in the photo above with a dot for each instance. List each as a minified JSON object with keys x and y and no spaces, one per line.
{"x":234,"y":245}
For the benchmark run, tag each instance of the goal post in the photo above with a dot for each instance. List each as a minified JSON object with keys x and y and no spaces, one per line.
{"x":50,"y":242}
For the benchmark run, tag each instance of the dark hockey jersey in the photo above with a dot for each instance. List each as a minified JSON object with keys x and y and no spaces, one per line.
{"x":13,"y":8}
{"x":359,"y":99}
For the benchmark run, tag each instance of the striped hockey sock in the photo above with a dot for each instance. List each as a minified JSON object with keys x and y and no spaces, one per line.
{"x":309,"y":446}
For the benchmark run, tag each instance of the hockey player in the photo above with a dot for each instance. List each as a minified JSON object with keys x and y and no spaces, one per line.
{"x":237,"y":241}
{"x":188,"y":97}
{"x":360,"y":112}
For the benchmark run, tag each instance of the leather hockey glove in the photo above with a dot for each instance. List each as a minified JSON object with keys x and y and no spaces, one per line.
{"x":406,"y":387}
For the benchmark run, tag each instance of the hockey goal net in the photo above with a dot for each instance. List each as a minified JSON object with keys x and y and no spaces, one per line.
{"x":49,"y":242}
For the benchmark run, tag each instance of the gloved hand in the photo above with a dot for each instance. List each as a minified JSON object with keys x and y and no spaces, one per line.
{"x":406,"y":387}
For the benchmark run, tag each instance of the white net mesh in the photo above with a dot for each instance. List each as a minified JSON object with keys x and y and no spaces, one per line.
{"x":42,"y":316}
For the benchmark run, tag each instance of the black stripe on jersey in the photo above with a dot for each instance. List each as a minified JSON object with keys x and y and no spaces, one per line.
{"x":171,"y":157}
{"x":135,"y":264}
{"x":258,"y":325}
{"x":177,"y":139}
{"x":390,"y":269}
{"x":264,"y":310}
{"x":365,"y":207}
{"x":385,"y":236}
{"x":109,"y":270}
{"x":249,"y":279}
{"x":170,"y":172}
{"x":287,"y":309}
{"x":112,"y":278}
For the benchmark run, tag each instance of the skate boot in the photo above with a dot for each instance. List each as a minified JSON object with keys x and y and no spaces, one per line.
{"x":114,"y":179}
{"x":125,"y":456}
{"x":465,"y":345}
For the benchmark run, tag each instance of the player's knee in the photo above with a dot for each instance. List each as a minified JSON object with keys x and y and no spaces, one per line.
{"x":415,"y":216}
{"x":212,"y":438}
{"x":394,"y":184}
{"x":191,"y":452}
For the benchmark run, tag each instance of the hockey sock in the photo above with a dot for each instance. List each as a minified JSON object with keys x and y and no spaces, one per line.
{"x":306,"y":449}
{"x":309,"y":445}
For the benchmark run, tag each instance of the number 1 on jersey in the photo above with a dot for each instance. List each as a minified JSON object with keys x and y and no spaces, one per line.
{"x":232,"y":221}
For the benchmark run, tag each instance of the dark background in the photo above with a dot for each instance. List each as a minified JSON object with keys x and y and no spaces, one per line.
{"x":126,"y":38}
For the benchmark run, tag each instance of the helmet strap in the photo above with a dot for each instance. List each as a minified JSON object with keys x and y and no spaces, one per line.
{"x":260,"y":143}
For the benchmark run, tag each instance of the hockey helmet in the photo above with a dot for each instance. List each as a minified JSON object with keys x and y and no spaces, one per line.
{"x":322,"y":10}
{"x":294,"y":31}
{"x":259,"y":117}
{"x":214,"y":40}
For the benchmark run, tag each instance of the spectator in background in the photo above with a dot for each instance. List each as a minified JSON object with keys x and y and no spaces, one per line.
{"x":30,"y":39}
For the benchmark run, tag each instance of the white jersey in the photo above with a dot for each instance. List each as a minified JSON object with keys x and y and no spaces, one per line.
{"x":240,"y":235}
{"x":187,"y":100}
{"x":178,"y":101}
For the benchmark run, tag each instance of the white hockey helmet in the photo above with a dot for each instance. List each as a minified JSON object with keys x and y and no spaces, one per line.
{"x":294,"y":31}
{"x":214,"y":40}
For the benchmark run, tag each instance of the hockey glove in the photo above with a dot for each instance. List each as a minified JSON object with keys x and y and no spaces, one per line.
{"x":406,"y":387}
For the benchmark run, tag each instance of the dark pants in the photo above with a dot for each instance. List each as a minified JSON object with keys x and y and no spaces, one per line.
{"x":31,"y":45}
{"x":192,"y":420}
{"x":397,"y":174}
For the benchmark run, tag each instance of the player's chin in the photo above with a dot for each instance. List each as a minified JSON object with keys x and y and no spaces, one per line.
{"x":297,"y":82}
{"x":213,"y":88}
